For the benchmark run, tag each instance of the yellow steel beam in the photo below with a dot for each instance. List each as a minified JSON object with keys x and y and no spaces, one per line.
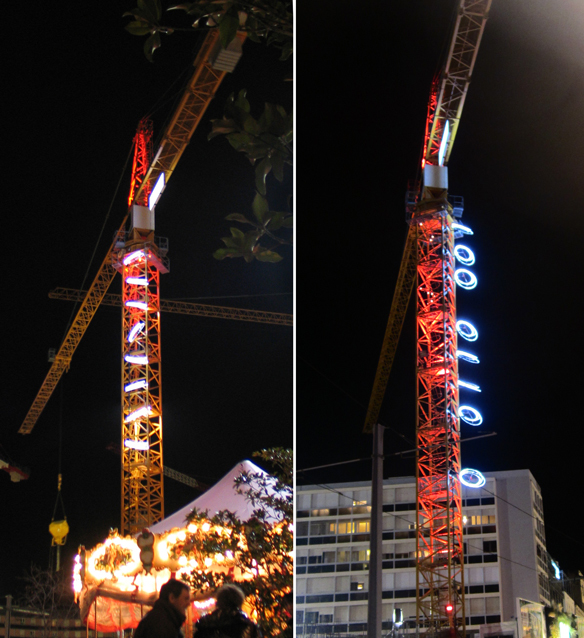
{"x":62,"y":361}
{"x":397,"y":313}
{"x":187,"y":308}
{"x":194,"y":102}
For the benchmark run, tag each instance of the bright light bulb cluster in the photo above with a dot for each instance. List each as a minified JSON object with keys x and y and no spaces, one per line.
{"x":467,"y":280}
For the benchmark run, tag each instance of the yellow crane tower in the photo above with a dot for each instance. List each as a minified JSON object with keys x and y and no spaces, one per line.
{"x":141,"y":257}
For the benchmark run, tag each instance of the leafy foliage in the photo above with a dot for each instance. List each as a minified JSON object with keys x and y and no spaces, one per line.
{"x":262,"y":546}
{"x":266,"y":143}
{"x":266,"y":139}
{"x":247,"y":245}
{"x":267,"y":21}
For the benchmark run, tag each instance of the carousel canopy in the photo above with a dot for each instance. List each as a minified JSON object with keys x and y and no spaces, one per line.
{"x":222,"y":496}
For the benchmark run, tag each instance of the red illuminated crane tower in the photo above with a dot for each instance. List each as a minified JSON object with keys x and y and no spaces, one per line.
{"x":429,"y":258}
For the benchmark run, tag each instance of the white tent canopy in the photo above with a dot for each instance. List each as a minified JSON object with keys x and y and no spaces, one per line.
{"x":222,"y":496}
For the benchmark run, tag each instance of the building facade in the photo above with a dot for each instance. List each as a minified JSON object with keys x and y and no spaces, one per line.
{"x":504,"y":548}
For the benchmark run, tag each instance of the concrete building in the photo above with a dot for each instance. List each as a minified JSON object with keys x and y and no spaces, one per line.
{"x":504,"y":541}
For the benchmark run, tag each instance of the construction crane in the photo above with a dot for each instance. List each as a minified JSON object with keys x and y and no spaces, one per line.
{"x":186,"y":308}
{"x":140,"y":257}
{"x":429,"y":255}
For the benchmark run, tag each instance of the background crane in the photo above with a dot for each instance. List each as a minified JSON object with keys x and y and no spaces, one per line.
{"x":429,"y":255}
{"x":186,"y":308}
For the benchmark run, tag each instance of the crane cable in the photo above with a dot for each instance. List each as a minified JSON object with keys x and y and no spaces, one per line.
{"x":59,"y":528}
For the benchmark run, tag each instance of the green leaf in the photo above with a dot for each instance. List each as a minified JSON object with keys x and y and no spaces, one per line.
{"x":238,"y":217}
{"x":278,"y":165}
{"x":235,"y":232}
{"x":250,"y":125}
{"x":151,"y":44}
{"x":221,"y":127}
{"x":228,"y":28}
{"x":137,"y":28}
{"x":151,"y":8}
{"x":286,"y":51}
{"x":262,"y":169}
{"x":242,"y":102}
{"x":288,"y":222}
{"x":276,"y":220}
{"x":229,"y":242}
{"x":251,"y":239}
{"x":268,"y":256}
{"x":239,"y":140}
{"x":221,"y":253}
{"x":260,"y":208}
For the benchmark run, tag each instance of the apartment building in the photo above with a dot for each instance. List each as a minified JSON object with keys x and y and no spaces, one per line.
{"x":504,"y":544}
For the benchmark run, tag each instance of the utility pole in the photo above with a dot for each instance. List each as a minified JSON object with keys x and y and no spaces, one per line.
{"x":374,"y":600}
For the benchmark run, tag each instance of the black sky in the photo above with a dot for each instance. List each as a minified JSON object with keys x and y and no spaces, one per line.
{"x":364,"y":76}
{"x":75,"y":86}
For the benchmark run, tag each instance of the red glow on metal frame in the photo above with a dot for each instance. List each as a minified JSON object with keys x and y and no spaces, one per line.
{"x":142,"y":155}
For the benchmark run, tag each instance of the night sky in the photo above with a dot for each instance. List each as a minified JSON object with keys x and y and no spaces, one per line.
{"x":75,"y":85}
{"x":364,"y":76}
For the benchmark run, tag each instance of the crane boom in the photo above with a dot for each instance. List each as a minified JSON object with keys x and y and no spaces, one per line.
{"x":451,"y":86}
{"x":82,"y":319}
{"x":195,"y":100}
{"x":187,"y":308}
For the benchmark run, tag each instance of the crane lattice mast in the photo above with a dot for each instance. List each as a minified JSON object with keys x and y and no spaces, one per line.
{"x":429,"y":257}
